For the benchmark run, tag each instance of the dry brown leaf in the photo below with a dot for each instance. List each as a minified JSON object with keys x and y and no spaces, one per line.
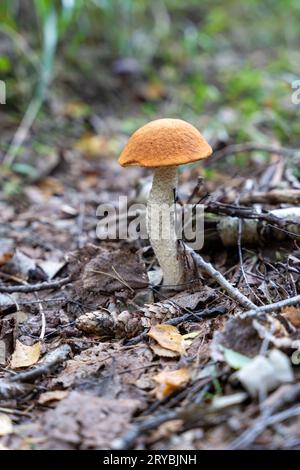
{"x":163,"y":352}
{"x":25,"y":356}
{"x":55,"y":395}
{"x":5,"y":257}
{"x":168,"y":337}
{"x":170,"y":381}
{"x":293,"y":315}
{"x":6,"y":426}
{"x":50,"y":186}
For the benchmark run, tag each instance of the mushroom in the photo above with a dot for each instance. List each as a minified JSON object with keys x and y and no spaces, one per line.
{"x":164,"y":144}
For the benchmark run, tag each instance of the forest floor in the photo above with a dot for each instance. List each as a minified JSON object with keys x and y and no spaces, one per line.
{"x":94,"y":354}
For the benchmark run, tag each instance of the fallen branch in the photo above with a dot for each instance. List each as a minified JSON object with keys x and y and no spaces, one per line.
{"x":267,"y":417}
{"x":271,"y":307}
{"x":232,"y":291}
{"x":249,"y":213}
{"x":274,"y":225}
{"x":260,"y":425}
{"x":36,"y":287}
{"x":128,"y":439}
{"x":276,"y":196}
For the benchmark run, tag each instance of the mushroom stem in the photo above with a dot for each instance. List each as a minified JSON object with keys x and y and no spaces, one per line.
{"x":161,"y":224}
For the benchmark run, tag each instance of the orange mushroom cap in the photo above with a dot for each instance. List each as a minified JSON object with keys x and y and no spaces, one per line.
{"x":165,"y":142}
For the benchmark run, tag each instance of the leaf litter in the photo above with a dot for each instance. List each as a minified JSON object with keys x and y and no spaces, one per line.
{"x":148,"y":367}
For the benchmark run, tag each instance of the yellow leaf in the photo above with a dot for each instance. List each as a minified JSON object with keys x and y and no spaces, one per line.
{"x":168,"y":337}
{"x":163,"y":352}
{"x":50,"y":186}
{"x":6,"y":426}
{"x":25,"y":356}
{"x":55,"y":395}
{"x":293,"y":315}
{"x":170,"y":381}
{"x":191,"y":335}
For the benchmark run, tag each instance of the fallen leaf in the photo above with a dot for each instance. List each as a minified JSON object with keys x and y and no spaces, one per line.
{"x":55,"y":395}
{"x":189,"y":337}
{"x":25,"y":356}
{"x":168,"y":337}
{"x":6,"y":426}
{"x":7,"y":300}
{"x":263,"y":374}
{"x":235,"y":359}
{"x":51,"y":268}
{"x":83,"y":421}
{"x":50,"y":186}
{"x":226,"y":401}
{"x":155,"y":276}
{"x":170,"y":381}
{"x":20,"y":265}
{"x":238,"y":335}
{"x":6,"y":255}
{"x":293,"y":315}
{"x":163,"y":352}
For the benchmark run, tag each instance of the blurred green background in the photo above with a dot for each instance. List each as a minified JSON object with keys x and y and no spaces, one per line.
{"x":92,"y":65}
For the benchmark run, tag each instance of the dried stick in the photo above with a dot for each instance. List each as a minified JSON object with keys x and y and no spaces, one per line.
{"x":276,"y":196}
{"x":271,"y":307}
{"x":37,"y":287}
{"x":127,"y":440}
{"x":243,"y":212}
{"x":234,"y":293}
{"x":261,"y":424}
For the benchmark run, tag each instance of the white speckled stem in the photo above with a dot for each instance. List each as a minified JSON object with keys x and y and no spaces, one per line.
{"x":164,"y":241}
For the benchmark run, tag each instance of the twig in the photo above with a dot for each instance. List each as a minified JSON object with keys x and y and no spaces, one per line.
{"x":127,"y":440}
{"x":243,"y":212}
{"x":185,"y":413}
{"x":289,"y":396}
{"x":197,"y":316}
{"x":240,"y":251}
{"x":261,"y":424}
{"x":276,"y":196}
{"x":192,"y":316}
{"x":116,"y":277}
{"x":271,"y":307}
{"x":251,"y":147}
{"x":234,"y":293}
{"x":37,"y":287}
{"x":43,"y":317}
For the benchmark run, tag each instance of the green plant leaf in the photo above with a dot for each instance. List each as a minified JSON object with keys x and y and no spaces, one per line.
{"x":235,"y":359}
